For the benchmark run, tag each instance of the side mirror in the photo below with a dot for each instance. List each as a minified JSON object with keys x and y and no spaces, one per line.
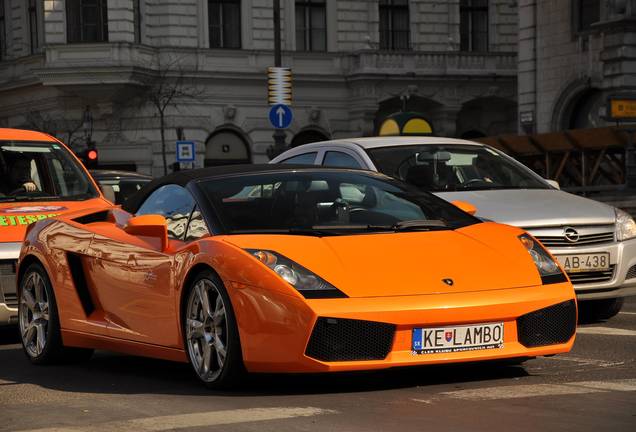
{"x":152,"y":227}
{"x":467,"y":207}
{"x":555,"y":184}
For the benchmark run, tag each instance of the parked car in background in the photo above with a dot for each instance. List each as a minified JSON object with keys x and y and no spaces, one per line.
{"x":266,"y":268}
{"x":595,"y":243}
{"x":118,"y":186}
{"x":39,"y":178}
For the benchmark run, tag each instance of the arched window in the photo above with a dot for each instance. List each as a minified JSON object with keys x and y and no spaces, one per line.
{"x":226,"y":147}
{"x":308,"y":136}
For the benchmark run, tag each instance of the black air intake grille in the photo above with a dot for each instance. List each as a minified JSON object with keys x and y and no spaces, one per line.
{"x":549,"y":326}
{"x":7,"y":282}
{"x":631,"y":273}
{"x":335,"y":339}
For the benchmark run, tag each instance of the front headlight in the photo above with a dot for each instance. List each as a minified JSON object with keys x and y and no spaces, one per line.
{"x":549,"y":270}
{"x":307,"y":283}
{"x":625,"y":226}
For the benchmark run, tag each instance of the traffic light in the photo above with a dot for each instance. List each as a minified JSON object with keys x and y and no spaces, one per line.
{"x":90,"y":156}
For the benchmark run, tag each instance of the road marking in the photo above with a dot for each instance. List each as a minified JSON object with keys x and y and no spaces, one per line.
{"x":628,"y":313}
{"x":605,"y":331}
{"x":586,"y":361}
{"x":202,"y":419}
{"x":536,"y":390}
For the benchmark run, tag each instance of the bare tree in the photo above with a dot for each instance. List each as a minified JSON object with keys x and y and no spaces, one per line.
{"x":168,"y":86}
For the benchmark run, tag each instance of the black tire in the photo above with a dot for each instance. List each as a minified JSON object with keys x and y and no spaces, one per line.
{"x":599,"y":310}
{"x":54,"y":351}
{"x":233,"y":371}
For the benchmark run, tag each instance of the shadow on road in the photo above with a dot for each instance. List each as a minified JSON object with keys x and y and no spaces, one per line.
{"x":115,"y":374}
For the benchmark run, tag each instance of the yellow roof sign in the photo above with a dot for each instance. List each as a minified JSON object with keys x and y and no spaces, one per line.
{"x":622,"y":108}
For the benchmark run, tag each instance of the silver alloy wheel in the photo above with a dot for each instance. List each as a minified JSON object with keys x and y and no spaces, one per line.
{"x":34,"y":314}
{"x":206,"y":330}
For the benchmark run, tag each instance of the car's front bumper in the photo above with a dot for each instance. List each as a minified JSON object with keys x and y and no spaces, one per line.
{"x":9,"y":253}
{"x":622,"y":282}
{"x":275,"y":334}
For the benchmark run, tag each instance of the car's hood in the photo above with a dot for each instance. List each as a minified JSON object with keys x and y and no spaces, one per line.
{"x":16,"y":216}
{"x":535,"y":207}
{"x":484,"y":256}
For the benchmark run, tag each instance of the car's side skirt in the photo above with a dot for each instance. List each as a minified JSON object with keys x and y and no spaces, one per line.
{"x":85,"y":340}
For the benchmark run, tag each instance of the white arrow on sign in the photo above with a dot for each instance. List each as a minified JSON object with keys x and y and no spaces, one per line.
{"x":280,"y":112}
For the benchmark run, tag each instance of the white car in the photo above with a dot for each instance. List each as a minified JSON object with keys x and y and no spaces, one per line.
{"x":594,"y":242}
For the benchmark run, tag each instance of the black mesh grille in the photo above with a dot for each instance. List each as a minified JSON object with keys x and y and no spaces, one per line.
{"x":335,"y":339}
{"x":553,"y":325}
{"x":7,"y":282}
{"x":631,"y":273}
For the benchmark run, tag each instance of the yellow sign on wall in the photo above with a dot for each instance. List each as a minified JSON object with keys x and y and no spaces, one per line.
{"x":623,"y":108}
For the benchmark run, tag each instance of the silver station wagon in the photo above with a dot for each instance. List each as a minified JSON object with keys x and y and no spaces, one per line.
{"x":595,"y":243}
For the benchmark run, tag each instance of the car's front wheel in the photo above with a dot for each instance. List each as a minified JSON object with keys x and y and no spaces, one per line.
{"x":599,"y":310}
{"x":211,"y":334}
{"x":39,"y":323}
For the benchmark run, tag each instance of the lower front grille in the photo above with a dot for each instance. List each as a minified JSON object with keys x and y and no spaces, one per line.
{"x":335,"y":339}
{"x":549,"y":326}
{"x":7,"y":282}
{"x":631,"y":273}
{"x":578,"y":278}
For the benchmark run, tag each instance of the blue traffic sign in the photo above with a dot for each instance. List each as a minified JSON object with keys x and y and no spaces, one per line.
{"x":185,"y":151}
{"x":280,"y":116}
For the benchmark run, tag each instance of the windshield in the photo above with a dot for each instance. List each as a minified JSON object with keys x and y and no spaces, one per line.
{"x":41,"y":171}
{"x":439,"y":168}
{"x":327,"y":202}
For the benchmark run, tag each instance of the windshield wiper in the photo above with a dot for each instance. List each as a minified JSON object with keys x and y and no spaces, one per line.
{"x":294,"y":231}
{"x":36,"y":198}
{"x":7,"y":199}
{"x":408,"y":225}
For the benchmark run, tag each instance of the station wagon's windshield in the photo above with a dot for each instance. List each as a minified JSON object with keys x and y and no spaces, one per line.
{"x":327,"y":203}
{"x":439,"y":168}
{"x":41,"y":171}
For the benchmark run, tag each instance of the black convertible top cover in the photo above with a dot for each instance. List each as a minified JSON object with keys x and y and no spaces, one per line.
{"x":182,"y":178}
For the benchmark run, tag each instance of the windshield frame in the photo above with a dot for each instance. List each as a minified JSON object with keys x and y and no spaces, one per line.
{"x":217,"y":226}
{"x":93,"y":191}
{"x":370,"y":152}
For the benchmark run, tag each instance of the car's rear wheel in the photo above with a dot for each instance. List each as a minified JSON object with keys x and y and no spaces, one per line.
{"x":211,"y":334}
{"x":599,"y":310}
{"x":39,"y":323}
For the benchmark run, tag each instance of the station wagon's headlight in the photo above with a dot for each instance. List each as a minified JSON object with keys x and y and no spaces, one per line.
{"x":625,"y":226}
{"x":549,"y":270}
{"x":306,"y":282}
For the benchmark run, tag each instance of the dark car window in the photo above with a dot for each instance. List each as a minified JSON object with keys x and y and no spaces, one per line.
{"x":336,"y":201}
{"x":123,"y":188}
{"x":302,"y":159}
{"x":338,"y":159}
{"x":47,"y":167}
{"x":440,"y":168}
{"x":175,"y":204}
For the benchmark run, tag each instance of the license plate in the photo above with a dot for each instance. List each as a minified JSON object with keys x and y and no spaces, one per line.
{"x":458,"y":338}
{"x":585,"y":262}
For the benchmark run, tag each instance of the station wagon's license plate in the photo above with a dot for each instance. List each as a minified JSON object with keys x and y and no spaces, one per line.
{"x":585,"y":262}
{"x":458,"y":338}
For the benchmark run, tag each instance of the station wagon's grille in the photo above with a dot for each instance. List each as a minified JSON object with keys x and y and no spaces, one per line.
{"x":584,"y":240}
{"x":592,"y":276}
{"x":336,"y":339}
{"x":549,"y":326}
{"x":7,"y":282}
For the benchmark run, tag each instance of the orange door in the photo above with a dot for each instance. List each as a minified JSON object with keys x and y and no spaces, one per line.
{"x":135,"y":286}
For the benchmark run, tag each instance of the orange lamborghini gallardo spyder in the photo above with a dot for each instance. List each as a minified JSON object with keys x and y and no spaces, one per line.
{"x":289,"y":269}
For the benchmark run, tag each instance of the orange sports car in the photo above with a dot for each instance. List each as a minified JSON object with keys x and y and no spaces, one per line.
{"x":289,"y":269}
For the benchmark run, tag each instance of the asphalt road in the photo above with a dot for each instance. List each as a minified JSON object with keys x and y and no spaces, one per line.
{"x":593,"y":388}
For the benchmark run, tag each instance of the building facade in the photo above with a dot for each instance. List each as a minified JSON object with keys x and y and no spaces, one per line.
{"x":113,"y":70}
{"x":574,"y":55}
